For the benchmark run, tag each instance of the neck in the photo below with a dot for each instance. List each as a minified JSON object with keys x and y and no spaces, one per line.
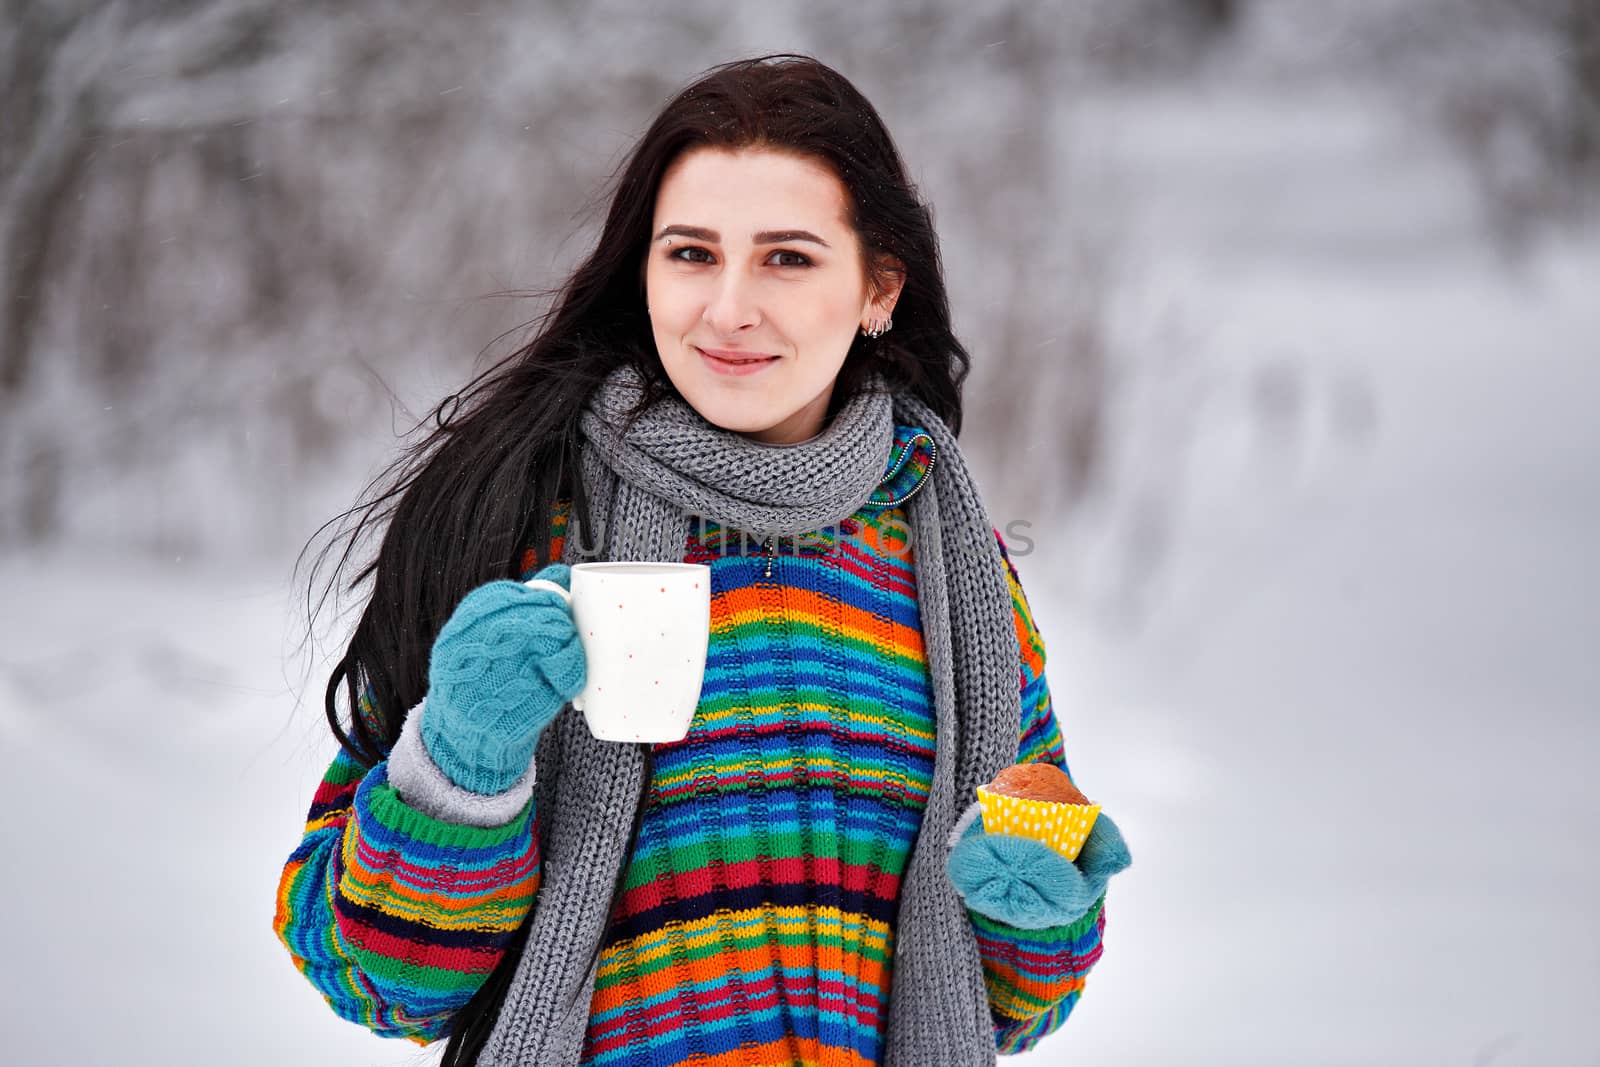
{"x":782,"y":444}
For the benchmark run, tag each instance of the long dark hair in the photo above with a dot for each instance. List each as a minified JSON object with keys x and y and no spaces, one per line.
{"x":464,"y":502}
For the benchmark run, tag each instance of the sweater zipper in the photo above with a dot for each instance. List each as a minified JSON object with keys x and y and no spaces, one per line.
{"x":766,"y":546}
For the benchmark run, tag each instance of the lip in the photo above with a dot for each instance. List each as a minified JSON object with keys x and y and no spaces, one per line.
{"x":721,"y":361}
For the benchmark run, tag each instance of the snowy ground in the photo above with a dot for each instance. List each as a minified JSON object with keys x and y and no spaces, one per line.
{"x":1324,"y":645}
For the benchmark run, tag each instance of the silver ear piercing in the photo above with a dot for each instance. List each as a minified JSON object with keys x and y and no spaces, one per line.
{"x":877,"y":327}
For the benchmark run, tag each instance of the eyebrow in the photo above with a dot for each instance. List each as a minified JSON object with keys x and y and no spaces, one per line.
{"x":765,"y":237}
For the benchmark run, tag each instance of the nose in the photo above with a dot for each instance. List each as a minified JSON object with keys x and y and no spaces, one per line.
{"x":732,"y":306}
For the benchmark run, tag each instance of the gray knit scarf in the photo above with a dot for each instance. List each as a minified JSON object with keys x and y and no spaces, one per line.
{"x":643,"y":489}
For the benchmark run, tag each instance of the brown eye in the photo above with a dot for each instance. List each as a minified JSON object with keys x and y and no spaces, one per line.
{"x":804,"y":260}
{"x":678,"y":254}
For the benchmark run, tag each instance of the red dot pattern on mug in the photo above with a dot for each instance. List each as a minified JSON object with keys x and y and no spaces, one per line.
{"x":629,"y":724}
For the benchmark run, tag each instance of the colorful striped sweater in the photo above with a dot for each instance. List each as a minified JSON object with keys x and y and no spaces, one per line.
{"x":756,"y":919}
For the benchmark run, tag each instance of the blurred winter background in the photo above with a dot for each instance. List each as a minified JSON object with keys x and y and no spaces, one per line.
{"x":1285,"y":320}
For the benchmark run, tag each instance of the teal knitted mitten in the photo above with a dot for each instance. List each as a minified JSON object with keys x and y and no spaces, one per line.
{"x":1029,"y":885}
{"x":502,"y":667}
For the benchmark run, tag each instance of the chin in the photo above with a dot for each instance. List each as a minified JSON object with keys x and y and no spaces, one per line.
{"x":742,"y":406}
{"x":733,"y":416}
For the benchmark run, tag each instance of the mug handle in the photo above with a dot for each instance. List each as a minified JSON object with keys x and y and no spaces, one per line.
{"x":545,"y":584}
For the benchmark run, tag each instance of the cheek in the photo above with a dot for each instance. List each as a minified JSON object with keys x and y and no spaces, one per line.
{"x":672,"y":308}
{"x":828,"y":312}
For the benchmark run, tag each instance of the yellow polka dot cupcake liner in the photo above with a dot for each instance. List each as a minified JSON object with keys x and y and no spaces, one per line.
{"x":1064,"y":827}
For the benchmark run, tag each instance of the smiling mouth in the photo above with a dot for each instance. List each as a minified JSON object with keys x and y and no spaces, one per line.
{"x":734,"y":359}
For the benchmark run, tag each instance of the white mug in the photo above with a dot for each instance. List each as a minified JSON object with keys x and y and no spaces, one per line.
{"x":644,"y":628}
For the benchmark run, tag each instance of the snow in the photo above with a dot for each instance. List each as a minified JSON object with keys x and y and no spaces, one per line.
{"x":1349,"y":723}
{"x":1322,"y":641}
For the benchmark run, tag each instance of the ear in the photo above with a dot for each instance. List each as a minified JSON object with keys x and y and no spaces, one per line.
{"x":893,"y":273}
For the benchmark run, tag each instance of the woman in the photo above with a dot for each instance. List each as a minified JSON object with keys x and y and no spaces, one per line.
{"x":754,"y":370}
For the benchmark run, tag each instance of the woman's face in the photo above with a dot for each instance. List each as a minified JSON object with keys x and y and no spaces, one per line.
{"x":751,"y":259}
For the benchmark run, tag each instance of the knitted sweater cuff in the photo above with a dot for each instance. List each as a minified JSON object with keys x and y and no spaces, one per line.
{"x":973,"y":813}
{"x":423,"y":786}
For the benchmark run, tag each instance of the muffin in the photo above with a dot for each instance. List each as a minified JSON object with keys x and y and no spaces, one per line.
{"x":1036,"y":781}
{"x":1038,"y":801}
